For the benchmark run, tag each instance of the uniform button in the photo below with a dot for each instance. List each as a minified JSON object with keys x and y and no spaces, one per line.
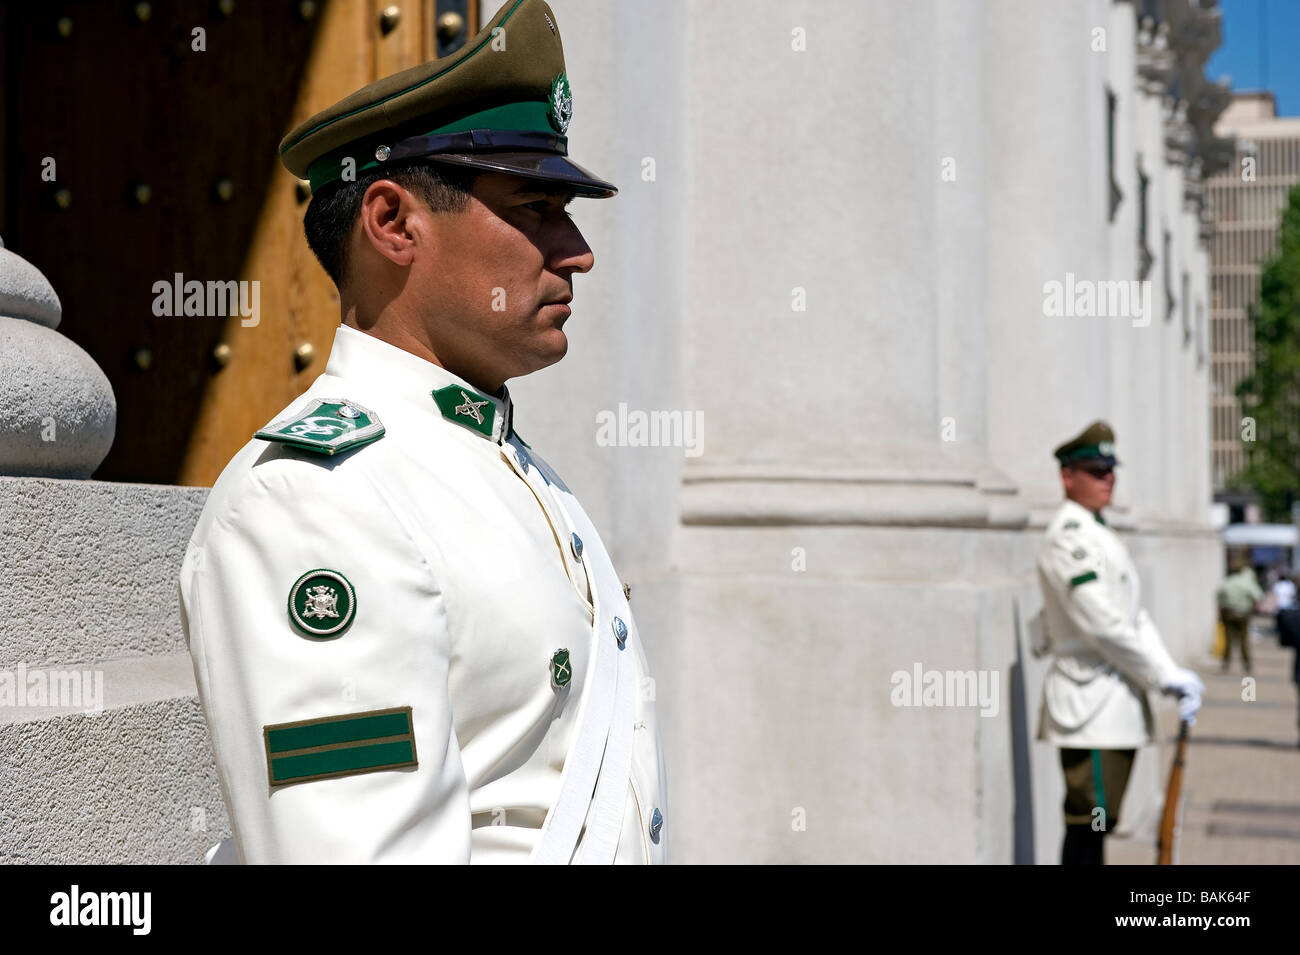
{"x":576,"y":544}
{"x":656,"y":825}
{"x":620,"y":630}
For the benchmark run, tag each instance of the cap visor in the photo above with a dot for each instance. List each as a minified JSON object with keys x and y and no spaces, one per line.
{"x":549,"y":167}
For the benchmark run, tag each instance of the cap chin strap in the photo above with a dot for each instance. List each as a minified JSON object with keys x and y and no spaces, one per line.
{"x":474,"y":140}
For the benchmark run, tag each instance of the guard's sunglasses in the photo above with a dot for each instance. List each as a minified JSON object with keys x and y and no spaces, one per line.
{"x":1099,"y":471}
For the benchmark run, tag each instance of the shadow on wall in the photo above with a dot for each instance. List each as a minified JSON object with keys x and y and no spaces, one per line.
{"x":1021,"y":715}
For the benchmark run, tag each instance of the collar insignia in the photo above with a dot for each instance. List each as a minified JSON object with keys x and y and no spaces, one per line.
{"x":470,"y":407}
{"x":466,"y":408}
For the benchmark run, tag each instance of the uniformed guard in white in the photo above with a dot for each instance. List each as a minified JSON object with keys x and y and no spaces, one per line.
{"x":409,"y":641}
{"x":1107,"y":651}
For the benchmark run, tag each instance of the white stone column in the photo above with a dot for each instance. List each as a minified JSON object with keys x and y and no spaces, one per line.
{"x":832,"y":537}
{"x":1047,"y":211}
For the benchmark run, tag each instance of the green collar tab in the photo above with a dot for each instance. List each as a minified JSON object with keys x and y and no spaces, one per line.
{"x":326,"y":426}
{"x":468,"y":408}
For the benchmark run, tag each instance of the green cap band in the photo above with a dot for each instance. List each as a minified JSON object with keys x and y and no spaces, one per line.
{"x":530,"y":116}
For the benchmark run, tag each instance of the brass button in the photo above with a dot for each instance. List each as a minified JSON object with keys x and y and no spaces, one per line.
{"x":450,"y":26}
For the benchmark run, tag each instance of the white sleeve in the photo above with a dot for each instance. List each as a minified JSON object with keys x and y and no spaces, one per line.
{"x":1070,"y":567}
{"x":1155,"y":646}
{"x":372,"y":770}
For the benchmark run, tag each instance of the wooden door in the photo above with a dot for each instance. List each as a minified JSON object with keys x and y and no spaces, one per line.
{"x":140,"y":144}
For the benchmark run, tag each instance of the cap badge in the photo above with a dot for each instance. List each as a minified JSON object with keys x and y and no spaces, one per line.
{"x":1106,"y":448}
{"x":561,"y":110}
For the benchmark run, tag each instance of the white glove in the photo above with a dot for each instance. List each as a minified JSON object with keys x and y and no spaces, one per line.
{"x":1187,"y":686}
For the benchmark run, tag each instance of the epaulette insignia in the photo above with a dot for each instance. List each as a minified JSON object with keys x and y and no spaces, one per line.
{"x":326,"y":426}
{"x":1070,"y":526}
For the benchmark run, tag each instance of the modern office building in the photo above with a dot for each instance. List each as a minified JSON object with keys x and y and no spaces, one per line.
{"x":1246,"y":202}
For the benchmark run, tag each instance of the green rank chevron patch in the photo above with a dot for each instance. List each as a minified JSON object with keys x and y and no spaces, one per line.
{"x":326,"y":426}
{"x":336,"y":746}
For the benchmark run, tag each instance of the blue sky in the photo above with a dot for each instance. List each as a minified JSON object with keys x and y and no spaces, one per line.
{"x":1241,"y":56}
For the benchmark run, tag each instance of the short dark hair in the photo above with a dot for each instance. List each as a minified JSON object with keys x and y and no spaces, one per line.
{"x":333,"y":211}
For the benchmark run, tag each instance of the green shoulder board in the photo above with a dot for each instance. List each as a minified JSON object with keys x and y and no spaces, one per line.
{"x":326,"y":426}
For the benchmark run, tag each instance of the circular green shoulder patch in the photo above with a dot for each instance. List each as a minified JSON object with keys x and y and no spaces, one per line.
{"x":322,"y":603}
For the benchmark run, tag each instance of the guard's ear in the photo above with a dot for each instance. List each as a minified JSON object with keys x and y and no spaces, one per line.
{"x":391,"y":221}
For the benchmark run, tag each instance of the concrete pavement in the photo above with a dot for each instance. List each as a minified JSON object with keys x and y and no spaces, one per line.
{"x":1241,"y":787}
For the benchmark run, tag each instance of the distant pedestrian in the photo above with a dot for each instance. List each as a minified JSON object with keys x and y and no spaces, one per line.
{"x":1284,"y":590}
{"x":1288,"y":635}
{"x":1238,"y":595}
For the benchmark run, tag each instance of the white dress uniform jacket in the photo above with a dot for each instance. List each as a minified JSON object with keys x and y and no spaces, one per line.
{"x":1108,"y":653}
{"x":441,"y":723}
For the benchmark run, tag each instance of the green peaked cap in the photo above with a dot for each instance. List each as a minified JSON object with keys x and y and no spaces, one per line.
{"x":1095,"y":443}
{"x":502,"y":102}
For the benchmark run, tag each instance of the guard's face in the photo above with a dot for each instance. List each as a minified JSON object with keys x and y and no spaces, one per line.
{"x":1090,"y":485}
{"x":500,"y":277}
